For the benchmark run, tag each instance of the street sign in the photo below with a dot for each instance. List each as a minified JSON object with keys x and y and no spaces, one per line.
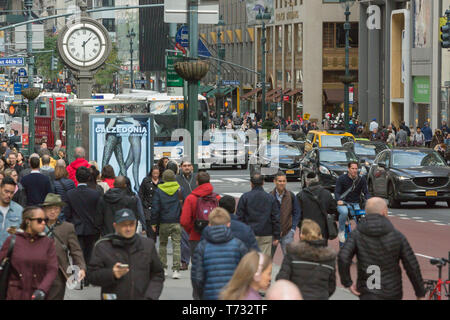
{"x":259,"y":85}
{"x":173,"y":79}
{"x":285,"y":98}
{"x":23,"y":79}
{"x":177,"y":11}
{"x":17,"y":88}
{"x":11,"y":62}
{"x":18,"y":98}
{"x":25,"y":139}
{"x":350,"y":95}
{"x":22,"y":72}
{"x":140,"y":81}
{"x":182,"y":37}
{"x":231,"y":83}
{"x":174,"y":91}
{"x":202,"y":49}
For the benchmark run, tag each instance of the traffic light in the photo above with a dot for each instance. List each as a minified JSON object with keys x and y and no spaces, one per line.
{"x":445,"y":29}
{"x":54,"y":63}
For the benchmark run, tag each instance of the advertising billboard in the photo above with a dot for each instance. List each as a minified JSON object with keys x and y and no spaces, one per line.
{"x":123,"y":141}
{"x":422,"y":23}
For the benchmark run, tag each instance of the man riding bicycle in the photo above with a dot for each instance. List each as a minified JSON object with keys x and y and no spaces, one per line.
{"x":349,"y":188}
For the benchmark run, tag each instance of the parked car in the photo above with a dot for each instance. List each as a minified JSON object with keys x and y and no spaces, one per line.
{"x":328,"y":163}
{"x":402,"y":175}
{"x":323,"y":139}
{"x":271,"y":158}
{"x":228,"y":148}
{"x":366,"y":151}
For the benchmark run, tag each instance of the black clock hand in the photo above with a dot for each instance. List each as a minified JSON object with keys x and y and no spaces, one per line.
{"x":87,"y":40}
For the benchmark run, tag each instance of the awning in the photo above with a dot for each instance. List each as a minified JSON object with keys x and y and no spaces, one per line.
{"x":294,"y":92}
{"x":272,"y":92}
{"x":204,"y":89}
{"x":224,"y":90}
{"x":250,"y":94}
{"x":336,"y":96}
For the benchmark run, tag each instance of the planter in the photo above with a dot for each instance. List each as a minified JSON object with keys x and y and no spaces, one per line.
{"x":192,"y":70}
{"x":347,"y":79}
{"x":31,"y":93}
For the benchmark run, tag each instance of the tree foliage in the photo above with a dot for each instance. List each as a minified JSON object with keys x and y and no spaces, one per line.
{"x":104,"y":77}
{"x":43,"y":60}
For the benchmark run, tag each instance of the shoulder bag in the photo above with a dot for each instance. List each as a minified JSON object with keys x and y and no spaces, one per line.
{"x":331,"y":224}
{"x":5,"y":269}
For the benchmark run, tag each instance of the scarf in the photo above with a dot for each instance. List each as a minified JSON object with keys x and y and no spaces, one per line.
{"x":285,"y":212}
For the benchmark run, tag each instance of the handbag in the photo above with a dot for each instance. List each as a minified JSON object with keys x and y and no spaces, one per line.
{"x":331,"y":224}
{"x":5,"y":269}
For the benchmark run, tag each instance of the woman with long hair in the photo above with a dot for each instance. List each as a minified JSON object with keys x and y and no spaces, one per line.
{"x":20,"y":195}
{"x":253,"y":274}
{"x":21,"y":161}
{"x":33,"y":262}
{"x":98,"y":178}
{"x":62,"y":182}
{"x":310,"y":264}
{"x":108,"y":175}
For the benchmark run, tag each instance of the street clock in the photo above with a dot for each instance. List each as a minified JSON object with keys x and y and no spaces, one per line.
{"x":84,"y":45}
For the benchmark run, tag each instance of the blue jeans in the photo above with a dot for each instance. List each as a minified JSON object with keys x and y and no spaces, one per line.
{"x":284,"y":241}
{"x":343,"y":214}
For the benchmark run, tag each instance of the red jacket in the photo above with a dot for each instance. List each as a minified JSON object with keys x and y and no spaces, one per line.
{"x":110,"y":182}
{"x":190,"y":206}
{"x":34,"y":264}
{"x":72,"y":168}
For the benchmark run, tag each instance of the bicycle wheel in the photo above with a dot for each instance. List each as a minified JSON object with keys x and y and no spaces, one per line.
{"x":431,"y":289}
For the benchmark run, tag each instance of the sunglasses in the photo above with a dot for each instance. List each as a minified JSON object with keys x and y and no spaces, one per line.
{"x":40,"y":220}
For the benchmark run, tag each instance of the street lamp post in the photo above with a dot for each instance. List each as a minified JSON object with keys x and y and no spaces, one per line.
{"x":131,"y":35}
{"x":28,"y":5}
{"x":346,"y":4}
{"x":221,"y":53}
{"x":264,"y":17}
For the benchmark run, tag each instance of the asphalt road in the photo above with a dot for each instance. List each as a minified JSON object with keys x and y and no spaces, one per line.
{"x":427,"y":229}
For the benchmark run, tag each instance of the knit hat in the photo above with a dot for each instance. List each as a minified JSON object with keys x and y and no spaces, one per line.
{"x":311,"y":178}
{"x":168,"y":176}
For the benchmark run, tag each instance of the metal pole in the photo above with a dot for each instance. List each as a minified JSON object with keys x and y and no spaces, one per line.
{"x":263,"y":73}
{"x":131,"y":35}
{"x":193,"y":85}
{"x":347,"y":71}
{"x":28,"y":5}
{"x":219,"y":100}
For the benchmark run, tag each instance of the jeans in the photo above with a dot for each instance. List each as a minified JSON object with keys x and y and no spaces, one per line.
{"x":185,"y":248}
{"x":286,"y":240}
{"x":343,"y":214}
{"x":174,"y":231}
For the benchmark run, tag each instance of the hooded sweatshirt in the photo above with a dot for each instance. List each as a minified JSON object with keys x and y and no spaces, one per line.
{"x":190,"y":206}
{"x":166,"y":206}
{"x":112,"y":201}
{"x":73,"y":167}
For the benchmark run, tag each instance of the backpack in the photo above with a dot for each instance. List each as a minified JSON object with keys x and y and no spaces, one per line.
{"x":204,"y":207}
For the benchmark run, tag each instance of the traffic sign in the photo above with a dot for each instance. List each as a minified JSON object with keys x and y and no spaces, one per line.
{"x":140,"y":81}
{"x":285,"y":98}
{"x":231,"y":83}
{"x":177,"y":11}
{"x":259,"y":85}
{"x":350,"y":95}
{"x":173,"y":79}
{"x":23,"y":79}
{"x":202,"y":49}
{"x":11,"y":62}
{"x":182,"y":36}
{"x":22,"y":72}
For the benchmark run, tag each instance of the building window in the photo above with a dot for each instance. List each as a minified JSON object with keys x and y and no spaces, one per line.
{"x":334,"y":35}
{"x":108,"y":3}
{"x":280,"y":38}
{"x":288,"y":77}
{"x":109,"y":24}
{"x":299,"y":37}
{"x":298,"y":76}
{"x":289,"y":38}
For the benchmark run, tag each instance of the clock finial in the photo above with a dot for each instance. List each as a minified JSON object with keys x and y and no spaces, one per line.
{"x":83,"y":7}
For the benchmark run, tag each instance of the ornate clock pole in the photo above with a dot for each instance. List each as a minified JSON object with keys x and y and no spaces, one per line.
{"x":84,"y":45}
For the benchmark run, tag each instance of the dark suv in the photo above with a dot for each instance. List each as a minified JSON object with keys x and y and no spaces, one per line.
{"x":403,"y":175}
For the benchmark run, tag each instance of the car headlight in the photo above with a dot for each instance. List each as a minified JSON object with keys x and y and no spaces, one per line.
{"x":324,"y":170}
{"x":401,"y":178}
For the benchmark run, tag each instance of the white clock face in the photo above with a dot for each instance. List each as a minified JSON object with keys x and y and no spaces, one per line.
{"x":84,"y":45}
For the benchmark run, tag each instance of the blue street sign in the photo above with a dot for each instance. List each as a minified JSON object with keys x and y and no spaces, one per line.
{"x":202,"y":50}
{"x":140,"y":81}
{"x":182,"y":37}
{"x":10,"y":62}
{"x":99,"y":109}
{"x":22,"y":72}
{"x":231,"y":83}
{"x":17,"y":88}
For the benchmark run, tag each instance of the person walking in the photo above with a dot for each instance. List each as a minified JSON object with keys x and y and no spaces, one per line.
{"x":260,"y":211}
{"x":27,"y":170}
{"x":66,"y":245}
{"x":126,"y":264}
{"x":218,"y":247}
{"x":20,"y":196}
{"x":438,"y":138}
{"x":113,"y":200}
{"x":373,"y":125}
{"x":166,"y":211}
{"x":62,"y":183}
{"x":401,"y":139}
{"x":12,"y":162}
{"x":418,"y":138}
{"x":81,"y":212}
{"x":33,"y":259}
{"x":310,"y":264}
{"x":376,"y":242}
{"x":10,"y":211}
{"x":79,"y":161}
{"x":239,"y":229}
{"x":108,"y":175}
{"x":289,"y":211}
{"x":36,"y":185}
{"x":187,"y":180}
{"x":315,"y":200}
{"x":47,"y":170}
{"x":252,"y":275}
{"x":146,"y":191}
{"x":428,"y":134}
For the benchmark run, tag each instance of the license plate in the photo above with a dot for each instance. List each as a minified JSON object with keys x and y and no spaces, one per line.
{"x":290,"y":172}
{"x":167,"y":154}
{"x":431,"y":193}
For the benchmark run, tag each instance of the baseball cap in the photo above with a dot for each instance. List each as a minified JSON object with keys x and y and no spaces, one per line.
{"x":124,"y":215}
{"x":168,"y":176}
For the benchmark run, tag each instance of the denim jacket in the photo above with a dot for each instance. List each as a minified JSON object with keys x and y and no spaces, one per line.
{"x":13,"y":219}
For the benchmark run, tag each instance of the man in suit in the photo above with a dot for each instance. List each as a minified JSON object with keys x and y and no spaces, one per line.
{"x":81,"y":212}
{"x":36,"y":185}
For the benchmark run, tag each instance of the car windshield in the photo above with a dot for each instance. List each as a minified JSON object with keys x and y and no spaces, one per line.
{"x":337,"y":156}
{"x":334,"y":141}
{"x":226,"y":137}
{"x":284,"y":137}
{"x":417,"y":159}
{"x":365,"y":149}
{"x":284,"y":150}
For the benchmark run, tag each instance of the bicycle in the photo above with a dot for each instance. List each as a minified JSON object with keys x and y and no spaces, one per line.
{"x":354,"y":213}
{"x":433,"y":288}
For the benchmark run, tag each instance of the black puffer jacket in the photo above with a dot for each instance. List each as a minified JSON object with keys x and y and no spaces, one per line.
{"x":112,"y":201}
{"x":146,"y":276}
{"x":146,"y":191}
{"x":312,"y":267}
{"x":377,"y":243}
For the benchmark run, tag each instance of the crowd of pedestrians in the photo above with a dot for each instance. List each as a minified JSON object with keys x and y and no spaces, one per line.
{"x":69,"y":223}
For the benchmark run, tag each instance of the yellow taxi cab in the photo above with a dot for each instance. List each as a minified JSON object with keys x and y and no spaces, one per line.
{"x":323,"y":138}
